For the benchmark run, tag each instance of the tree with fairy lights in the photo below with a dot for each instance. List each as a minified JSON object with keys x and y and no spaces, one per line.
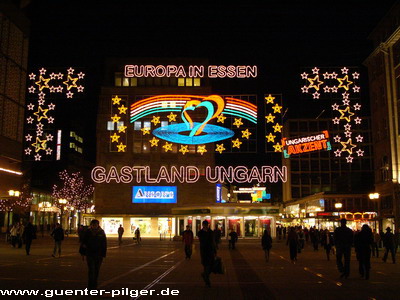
{"x":74,"y":190}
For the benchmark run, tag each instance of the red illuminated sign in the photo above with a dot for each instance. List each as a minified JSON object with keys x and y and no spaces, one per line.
{"x":306,"y":144}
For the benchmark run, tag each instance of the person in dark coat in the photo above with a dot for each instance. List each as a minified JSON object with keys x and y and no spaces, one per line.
{"x":94,"y":247}
{"x":58,"y":236}
{"x":266,"y":243}
{"x":120,"y":233}
{"x":28,"y":235}
{"x":363,"y":242}
{"x":343,"y":238}
{"x":389,"y":244}
{"x":187,"y":239}
{"x":217,"y":235}
{"x":233,"y":238}
{"x":293,"y":242}
{"x":327,"y":242}
{"x":208,"y":250}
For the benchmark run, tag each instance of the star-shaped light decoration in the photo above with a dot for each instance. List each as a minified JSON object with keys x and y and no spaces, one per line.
{"x":335,"y":120}
{"x":38,"y":157}
{"x":32,"y":76}
{"x":220,"y":148}
{"x":201,"y":149}
{"x":356,"y":89}
{"x":304,"y":75}
{"x":246,"y":134}
{"x":49,"y":137}
{"x":316,"y":95}
{"x":70,"y":94}
{"x":357,"y":120}
{"x":30,"y":106}
{"x":39,"y":144}
{"x":29,"y":120}
{"x":346,"y":102}
{"x":357,"y":106}
{"x":155,"y":120}
{"x":41,"y":113}
{"x":70,"y":71}
{"x":116,"y":100}
{"x":50,"y":120}
{"x":51,"y":106}
{"x":28,"y":151}
{"x":338,"y":153}
{"x":271,"y":138}
{"x":360,"y":152}
{"x":114,"y":138}
{"x":359,"y":138}
{"x":238,"y":122}
{"x":334,"y":89}
{"x":41,"y":102}
{"x":184,"y":149}
{"x":28,"y":138}
{"x":121,"y":147}
{"x":337,"y":138}
{"x":81,"y":75}
{"x":42,"y":71}
{"x":347,"y":127}
{"x":277,"y":147}
{"x":80,"y":89}
{"x":270,"y":118}
{"x":167,"y":147}
{"x":348,"y":146}
{"x":315,"y":70}
{"x":49,"y":151}
{"x":277,"y":108}
{"x":335,"y":106}
{"x":349,"y":159}
{"x":31,"y":89}
{"x":221,"y":118}
{"x":344,"y":70}
{"x":346,"y":114}
{"x":277,"y":127}
{"x":314,"y":83}
{"x":122,"y":128}
{"x":115,"y":118}
{"x":270,"y":99}
{"x":172,"y":117}
{"x":304,"y":89}
{"x":348,"y":133}
{"x":42,"y":83}
{"x":344,"y":82}
{"x":145,"y":130}
{"x":154,"y":142}
{"x":236,"y":143}
{"x":356,"y":75}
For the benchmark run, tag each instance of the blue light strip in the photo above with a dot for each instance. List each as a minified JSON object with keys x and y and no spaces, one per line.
{"x":152,"y":111}
{"x":239,"y":114}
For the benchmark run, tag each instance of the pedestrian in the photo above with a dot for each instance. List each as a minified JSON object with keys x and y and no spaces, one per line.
{"x":187,"y":239}
{"x":301,"y":237}
{"x":208,"y":251}
{"x":343,"y":238}
{"x":137,"y":236}
{"x":28,"y":235}
{"x":375,"y":245}
{"x":120,"y":233}
{"x":327,"y":242}
{"x":94,"y":247}
{"x":233,"y":238}
{"x":279,"y":231}
{"x":58,"y":236}
{"x":306,"y":234}
{"x":292,"y":241}
{"x":266,"y":243}
{"x":217,"y":235}
{"x":13,"y":234}
{"x":362,"y":244}
{"x":389,"y":244}
{"x":284,"y":232}
{"x":20,"y":231}
{"x":81,"y":231}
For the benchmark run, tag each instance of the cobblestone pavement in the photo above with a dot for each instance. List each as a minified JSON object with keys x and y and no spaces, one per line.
{"x":160,"y":265}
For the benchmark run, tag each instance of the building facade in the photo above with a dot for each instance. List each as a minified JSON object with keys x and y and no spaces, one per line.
{"x":384,"y":84}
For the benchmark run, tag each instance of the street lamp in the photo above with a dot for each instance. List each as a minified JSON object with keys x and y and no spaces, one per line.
{"x":338,"y":206}
{"x":374,"y":196}
{"x":62,"y":202}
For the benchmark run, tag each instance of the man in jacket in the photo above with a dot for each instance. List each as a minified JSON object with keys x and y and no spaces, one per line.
{"x":207,"y":250}
{"x":58,"y":236}
{"x":389,"y":244}
{"x":188,"y":241}
{"x":28,"y":235}
{"x":343,"y":238}
{"x":94,"y":247}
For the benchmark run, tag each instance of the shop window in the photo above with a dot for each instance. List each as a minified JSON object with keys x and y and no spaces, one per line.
{"x":189,"y":82}
{"x":197,"y":82}
{"x":181,"y":81}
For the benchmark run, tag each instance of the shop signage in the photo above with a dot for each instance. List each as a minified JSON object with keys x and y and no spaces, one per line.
{"x":218,"y":192}
{"x":311,"y":143}
{"x":212,"y":71}
{"x":189,"y":174}
{"x":192,"y":211}
{"x":154,"y":194}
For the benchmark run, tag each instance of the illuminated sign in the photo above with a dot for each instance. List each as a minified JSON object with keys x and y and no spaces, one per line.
{"x":218,"y":192}
{"x":273,"y":122}
{"x":154,"y":194}
{"x":306,"y":144}
{"x":189,"y":174}
{"x":212,"y":71}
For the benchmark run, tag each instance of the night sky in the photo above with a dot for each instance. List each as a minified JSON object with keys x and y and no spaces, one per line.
{"x":281,"y":38}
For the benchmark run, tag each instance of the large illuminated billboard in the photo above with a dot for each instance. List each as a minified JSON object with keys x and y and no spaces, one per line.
{"x":154,"y":194}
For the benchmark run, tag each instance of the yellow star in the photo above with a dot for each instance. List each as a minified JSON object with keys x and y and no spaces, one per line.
{"x":277,"y":147}
{"x":39,"y":144}
{"x":167,"y":147}
{"x":154,"y":142}
{"x":122,"y":109}
{"x":346,"y":146}
{"x":121,"y":147}
{"x":122,"y":128}
{"x":346,"y":117}
{"x":184,"y":149}
{"x":277,"y":127}
{"x":277,"y":108}
{"x":116,"y":100}
{"x":313,"y":84}
{"x":246,"y":133}
{"x":155,"y":120}
{"x":116,"y":118}
{"x":238,"y":122}
{"x":41,"y":113}
{"x":348,"y":82}
{"x":145,"y":130}
{"x":172,"y":117}
{"x":270,"y":99}
{"x":236,"y":143}
{"x":270,"y":118}
{"x":220,"y":148}
{"x":221,"y":118}
{"x":201,"y":149}
{"x":271,"y":138}
{"x":71,"y":85}
{"x":42,"y":83}
{"x":114,"y":138}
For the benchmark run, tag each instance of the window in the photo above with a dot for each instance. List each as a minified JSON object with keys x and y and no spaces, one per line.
{"x":189,"y":81}
{"x":134,"y":81}
{"x":181,"y":81}
{"x":125,"y":81}
{"x":197,"y":82}
{"x":120,"y":124}
{"x":137,"y":125}
{"x":118,"y":79}
{"x":164,"y":123}
{"x":110,"y":125}
{"x":147,"y":124}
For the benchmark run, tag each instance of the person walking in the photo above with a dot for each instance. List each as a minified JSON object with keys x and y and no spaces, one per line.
{"x":120,"y":233}
{"x":389,"y":244}
{"x":343,"y":238}
{"x":217,"y":235}
{"x":20,"y":231}
{"x":187,"y":239}
{"x":233,"y":237}
{"x":28,"y":235}
{"x":137,"y":236}
{"x":362,"y":244}
{"x":208,"y":251}
{"x":284,"y":232}
{"x":327,"y":242}
{"x":375,"y":245}
{"x":58,"y":236}
{"x":13,"y":234}
{"x":94,"y":247}
{"x":292,"y":241}
{"x":266,"y":243}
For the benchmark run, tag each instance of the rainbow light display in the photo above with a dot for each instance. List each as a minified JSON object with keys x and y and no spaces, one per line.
{"x":342,"y":87}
